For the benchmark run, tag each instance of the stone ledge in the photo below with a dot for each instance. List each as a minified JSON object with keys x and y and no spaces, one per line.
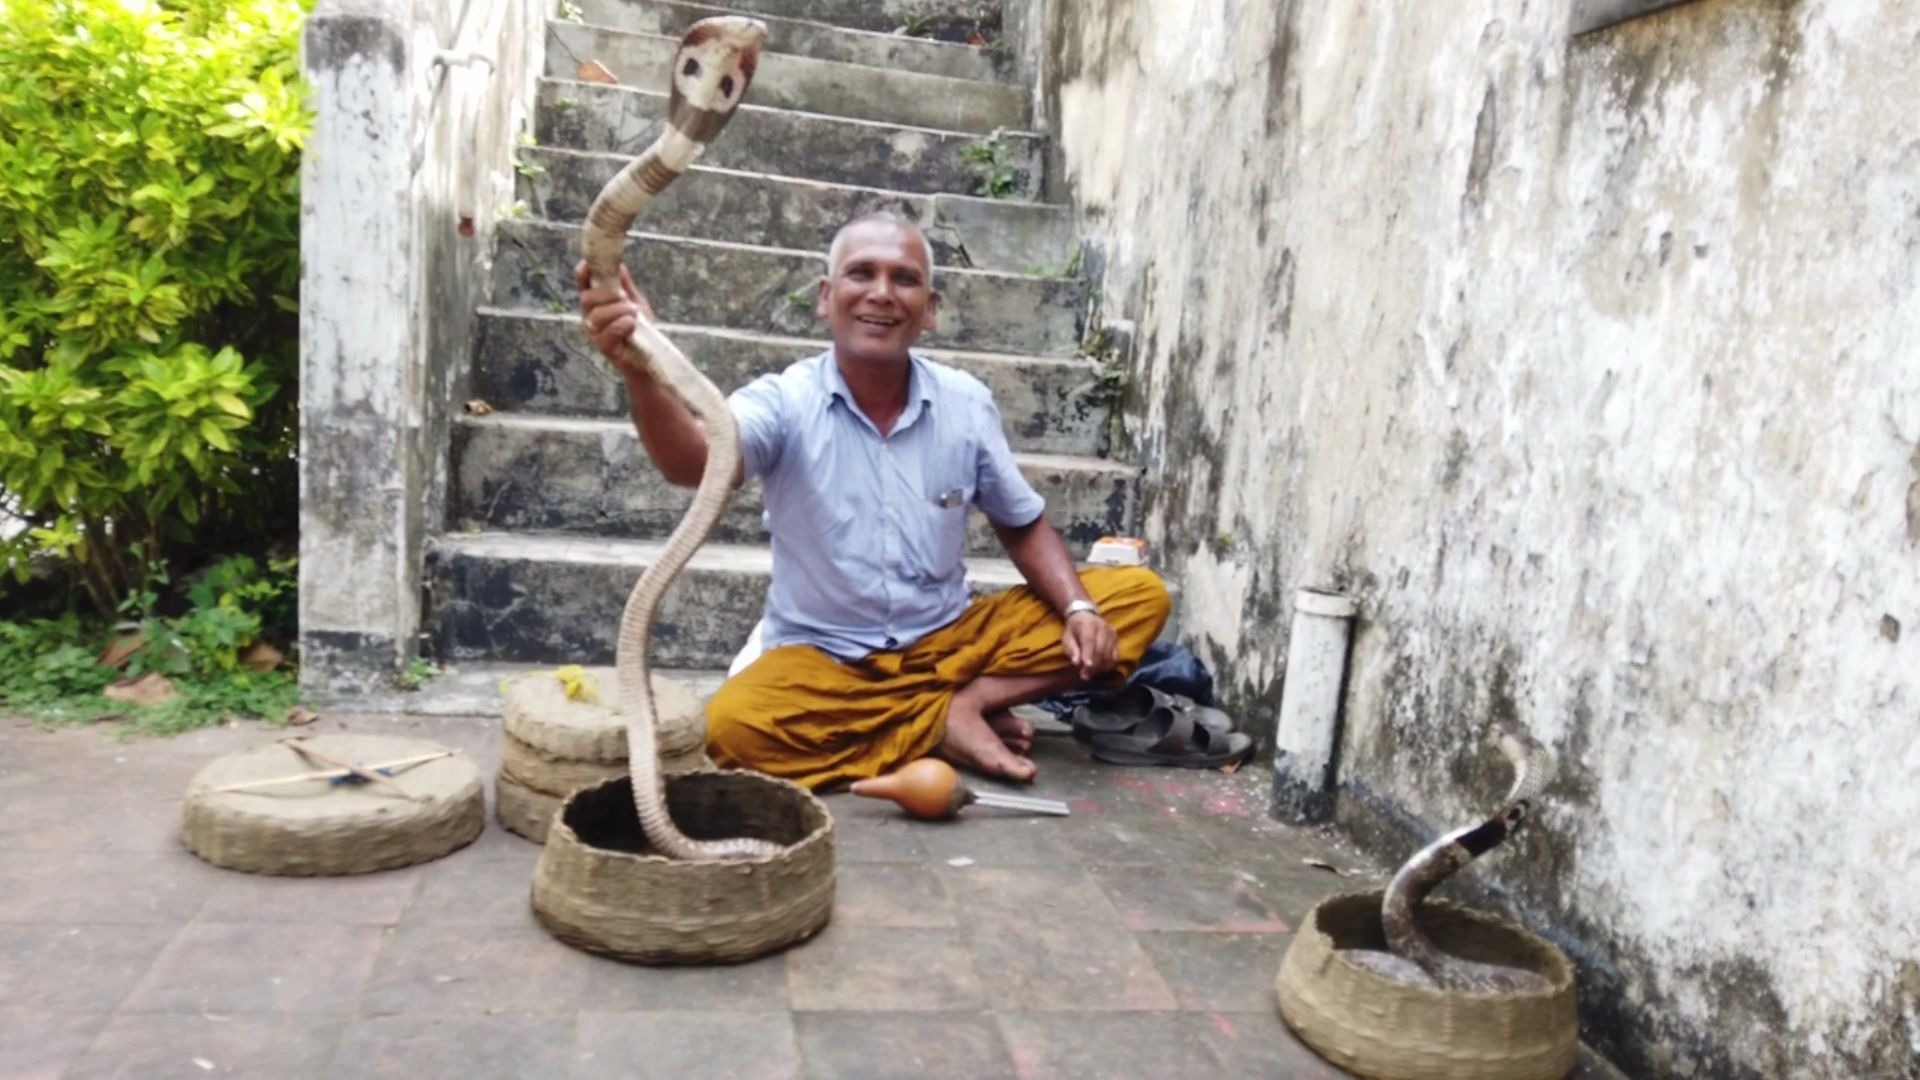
{"x":541,"y":362}
{"x":618,"y":119}
{"x":521,"y":472}
{"x":541,"y":599}
{"x":803,"y":83}
{"x":804,"y":37}
{"x":772,"y":289}
{"x":967,"y":232}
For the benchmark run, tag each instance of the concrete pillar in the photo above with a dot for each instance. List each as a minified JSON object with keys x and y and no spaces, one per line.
{"x":360,"y":404}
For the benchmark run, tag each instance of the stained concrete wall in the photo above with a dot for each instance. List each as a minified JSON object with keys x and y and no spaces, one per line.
{"x":1590,"y":367}
{"x":419,"y":104}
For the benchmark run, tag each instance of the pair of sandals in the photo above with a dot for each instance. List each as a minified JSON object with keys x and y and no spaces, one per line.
{"x":1141,"y":725}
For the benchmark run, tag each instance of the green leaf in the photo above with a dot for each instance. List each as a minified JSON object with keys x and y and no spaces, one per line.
{"x":233,"y":405}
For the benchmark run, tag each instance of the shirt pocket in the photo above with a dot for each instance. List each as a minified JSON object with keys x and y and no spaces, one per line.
{"x":944,"y":503}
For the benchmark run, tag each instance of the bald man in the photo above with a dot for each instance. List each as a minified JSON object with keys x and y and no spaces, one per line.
{"x":870,"y":457}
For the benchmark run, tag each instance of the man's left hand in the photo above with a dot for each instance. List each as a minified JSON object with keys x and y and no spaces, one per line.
{"x":1091,"y":644}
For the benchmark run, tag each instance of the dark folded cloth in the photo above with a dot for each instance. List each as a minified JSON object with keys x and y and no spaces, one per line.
{"x":1167,"y":667}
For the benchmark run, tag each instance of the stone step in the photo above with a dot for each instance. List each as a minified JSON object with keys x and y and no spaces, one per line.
{"x":929,"y":17}
{"x":543,"y":363}
{"x":523,"y":473}
{"x":803,"y":37}
{"x":474,"y":689}
{"x":803,"y":83}
{"x":786,"y":212}
{"x":624,"y":120}
{"x":504,"y":597}
{"x":772,"y":290}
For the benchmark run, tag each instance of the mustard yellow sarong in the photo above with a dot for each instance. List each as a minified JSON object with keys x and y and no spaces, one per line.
{"x":799,"y":713}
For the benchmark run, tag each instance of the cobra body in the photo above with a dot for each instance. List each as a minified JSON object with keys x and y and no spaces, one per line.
{"x":1416,"y":959}
{"x":711,"y":72}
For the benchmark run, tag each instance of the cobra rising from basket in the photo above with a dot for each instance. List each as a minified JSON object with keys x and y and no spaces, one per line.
{"x":1415,"y":959}
{"x":757,"y":870}
{"x":1393,"y":984}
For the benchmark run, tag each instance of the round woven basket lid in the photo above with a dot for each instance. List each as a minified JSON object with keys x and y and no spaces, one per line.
{"x":539,"y":713}
{"x":551,"y":775}
{"x":258,"y":810}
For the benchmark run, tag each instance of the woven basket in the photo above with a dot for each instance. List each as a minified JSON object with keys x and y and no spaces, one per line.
{"x":538,"y":712}
{"x":600,"y":887}
{"x":522,"y":810}
{"x":1373,"y":1026}
{"x":561,"y":776}
{"x":316,"y":827}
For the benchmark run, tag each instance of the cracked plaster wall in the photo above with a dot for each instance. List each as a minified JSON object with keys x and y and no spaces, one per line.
{"x":1592,"y":368}
{"x":408,"y":167}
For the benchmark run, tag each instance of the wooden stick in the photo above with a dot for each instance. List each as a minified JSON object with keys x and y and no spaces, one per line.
{"x":299,"y":745}
{"x":329,"y":774}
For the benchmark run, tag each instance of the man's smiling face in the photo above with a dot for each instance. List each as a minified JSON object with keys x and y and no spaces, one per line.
{"x":878,"y":297}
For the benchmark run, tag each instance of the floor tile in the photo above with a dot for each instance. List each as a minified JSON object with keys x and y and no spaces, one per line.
{"x":40,"y":1045}
{"x":890,"y":894}
{"x":87,"y":968}
{"x":360,"y":899}
{"x":437,"y":970}
{"x":1187,"y":898}
{"x":1149,"y":1046}
{"x":759,"y":984}
{"x":486,"y":883}
{"x":872,"y":968}
{"x":103,"y":887}
{"x":681,"y":1045}
{"x":1216,"y":972}
{"x":1259,"y":1044}
{"x":480,"y":1047}
{"x":865,"y":830}
{"x":1047,"y":938}
{"x":245,"y":968}
{"x":163,"y":1047}
{"x":991,"y":838}
{"x":906,"y":1046}
{"x":1130,"y":839}
{"x":41,"y":819}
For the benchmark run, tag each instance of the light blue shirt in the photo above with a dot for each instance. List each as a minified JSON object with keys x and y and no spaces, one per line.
{"x":869,"y":531}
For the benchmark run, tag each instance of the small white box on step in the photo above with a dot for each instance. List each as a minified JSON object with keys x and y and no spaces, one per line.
{"x":1118,"y":551}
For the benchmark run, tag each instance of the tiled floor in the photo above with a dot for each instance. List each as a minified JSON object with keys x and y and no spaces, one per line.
{"x":1137,"y":937}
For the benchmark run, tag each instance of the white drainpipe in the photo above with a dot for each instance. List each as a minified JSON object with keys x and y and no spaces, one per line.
{"x":1309,"y":730}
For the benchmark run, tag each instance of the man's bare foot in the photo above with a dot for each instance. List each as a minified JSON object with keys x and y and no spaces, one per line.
{"x":972,"y":743}
{"x":1015,"y":732}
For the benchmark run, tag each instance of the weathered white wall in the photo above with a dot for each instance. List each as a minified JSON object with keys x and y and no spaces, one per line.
{"x":1592,"y":368}
{"x":419,"y":104}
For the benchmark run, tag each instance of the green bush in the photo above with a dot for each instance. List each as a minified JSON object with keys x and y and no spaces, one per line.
{"x":149,"y":265}
{"x":50,"y":669}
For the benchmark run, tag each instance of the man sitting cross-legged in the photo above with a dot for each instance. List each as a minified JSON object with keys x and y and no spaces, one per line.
{"x":870,"y":457}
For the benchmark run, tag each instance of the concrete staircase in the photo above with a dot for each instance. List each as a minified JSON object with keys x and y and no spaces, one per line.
{"x":554,"y":509}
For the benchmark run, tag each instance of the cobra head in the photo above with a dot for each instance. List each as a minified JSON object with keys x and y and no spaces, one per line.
{"x":1533,"y":764}
{"x":711,"y":72}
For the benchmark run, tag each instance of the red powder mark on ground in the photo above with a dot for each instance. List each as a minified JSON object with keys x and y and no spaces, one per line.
{"x":1084,"y":805}
{"x":1135,"y":784}
{"x":1228,"y":804}
{"x":1225,"y":1026}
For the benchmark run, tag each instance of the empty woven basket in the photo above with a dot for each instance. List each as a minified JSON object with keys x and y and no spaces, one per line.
{"x":600,"y":887}
{"x":1374,"y":1026}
